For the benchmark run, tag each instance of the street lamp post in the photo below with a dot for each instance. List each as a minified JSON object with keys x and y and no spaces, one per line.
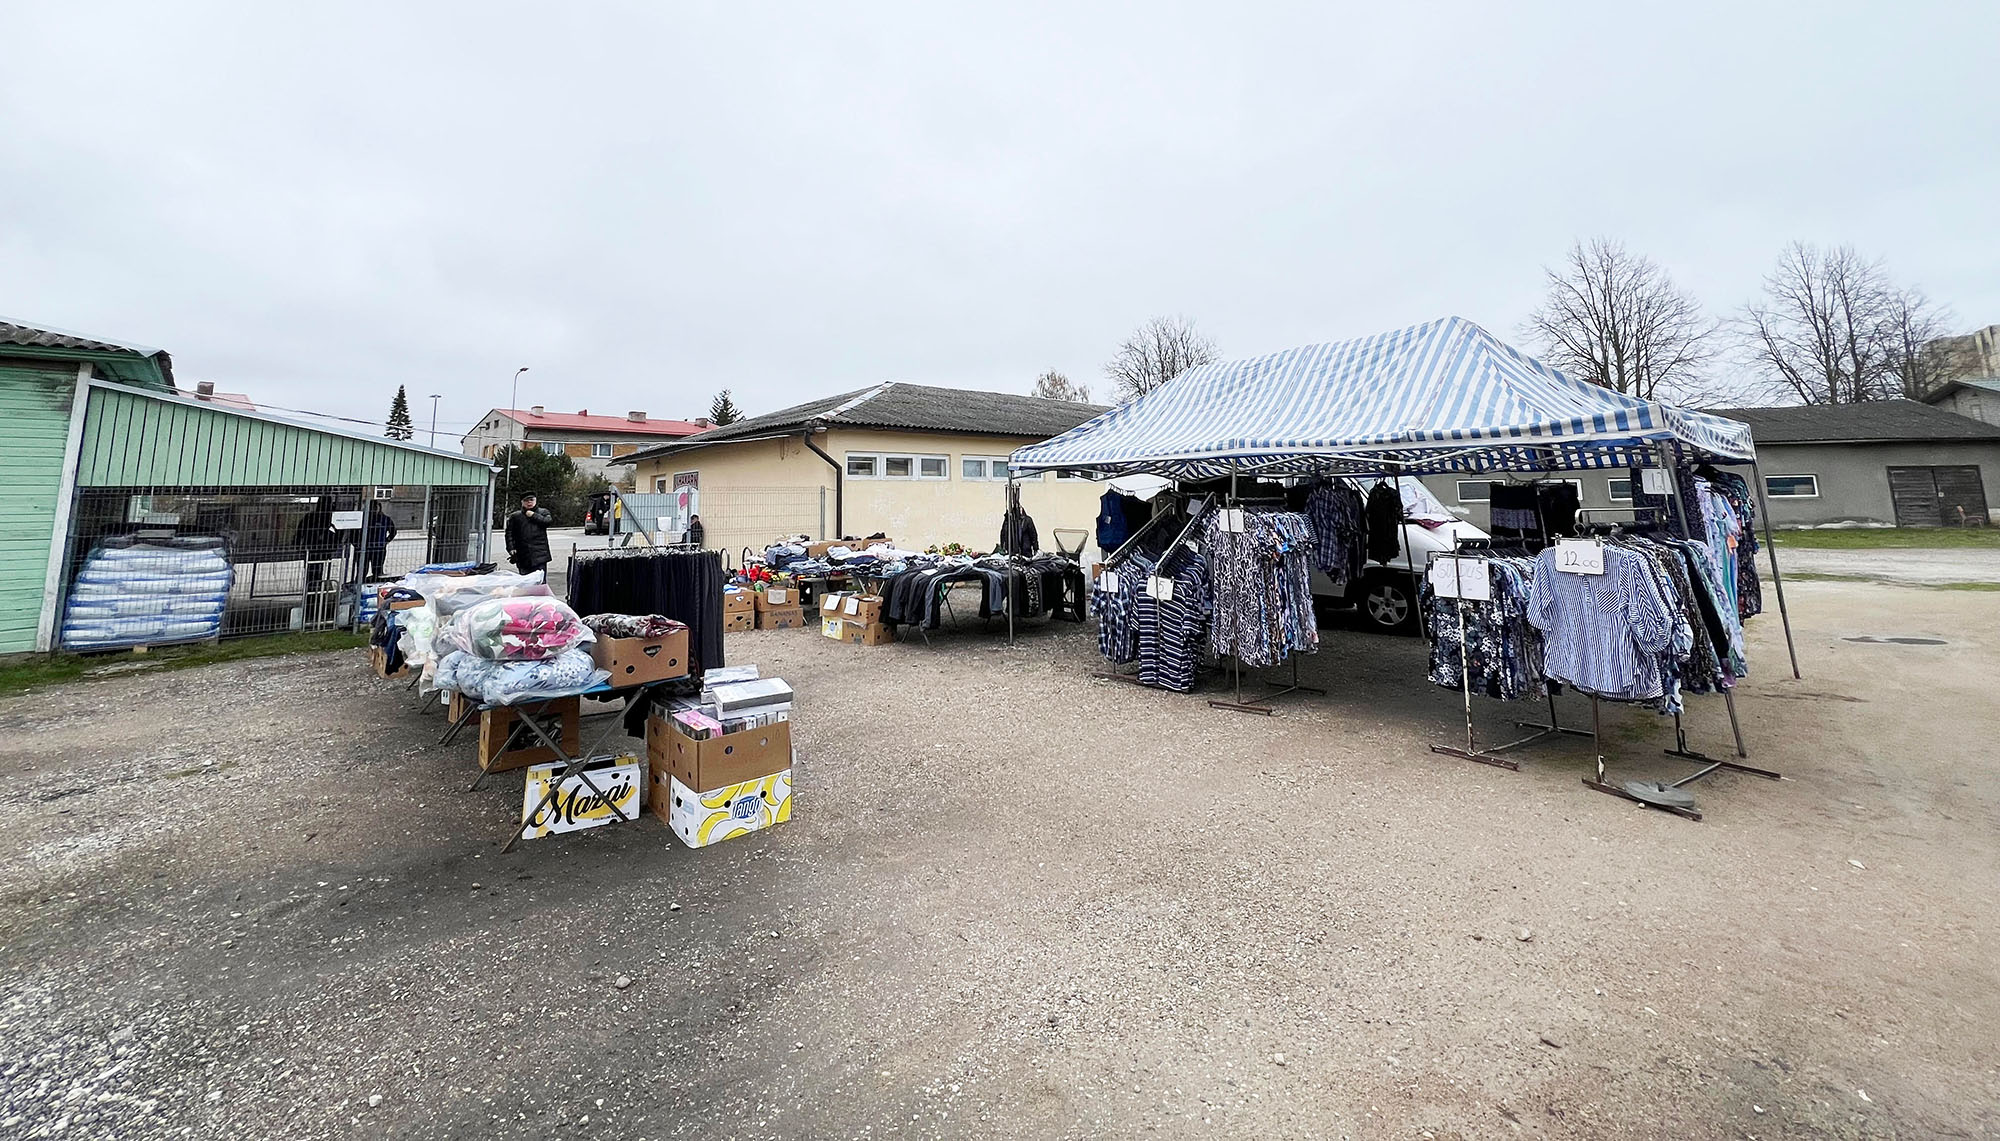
{"x":510,"y":454}
{"x":435,"y":397}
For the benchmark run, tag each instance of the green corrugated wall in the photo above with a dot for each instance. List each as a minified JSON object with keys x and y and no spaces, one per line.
{"x":34,"y":407}
{"x":134,"y":439}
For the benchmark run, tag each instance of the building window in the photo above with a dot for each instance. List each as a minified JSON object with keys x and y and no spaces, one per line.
{"x":878,"y":465}
{"x":1791,"y":486}
{"x":1474,"y":490}
{"x":1071,"y":475}
{"x":659,"y":485}
{"x":550,"y":447}
{"x":1620,"y":490}
{"x":983,"y":468}
{"x":600,"y":451}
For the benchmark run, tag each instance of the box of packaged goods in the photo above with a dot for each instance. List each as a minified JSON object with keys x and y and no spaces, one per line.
{"x":777,"y":598}
{"x":632,"y":661}
{"x":784,"y":619}
{"x":704,"y":818}
{"x":737,"y":621}
{"x":605,"y":791}
{"x":726,"y":699}
{"x":501,"y":747}
{"x":863,"y":608}
{"x":831,"y":602}
{"x":701,"y":752}
{"x":736,"y":601}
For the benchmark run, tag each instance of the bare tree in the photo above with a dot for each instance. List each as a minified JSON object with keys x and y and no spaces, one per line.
{"x":1157,"y":352}
{"x":1830,"y":328}
{"x":1053,"y":385}
{"x":1614,"y":318}
{"x":1912,"y":323}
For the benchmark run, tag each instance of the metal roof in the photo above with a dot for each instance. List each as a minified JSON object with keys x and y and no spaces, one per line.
{"x":62,"y":341}
{"x":1873,"y":421}
{"x":897,"y":406}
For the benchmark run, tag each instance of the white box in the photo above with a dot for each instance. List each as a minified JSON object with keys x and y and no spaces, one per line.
{"x":704,"y":818}
{"x":744,"y":694}
{"x":576,"y":806}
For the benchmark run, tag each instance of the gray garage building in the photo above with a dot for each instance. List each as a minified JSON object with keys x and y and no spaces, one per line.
{"x":1885,"y":461}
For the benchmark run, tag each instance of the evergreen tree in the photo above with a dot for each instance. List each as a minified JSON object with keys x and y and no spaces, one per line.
{"x":400,"y":427}
{"x":723,"y":410}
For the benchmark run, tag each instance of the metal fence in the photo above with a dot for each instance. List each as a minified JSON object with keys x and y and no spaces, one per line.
{"x":157,"y":565}
{"x":755,"y":517}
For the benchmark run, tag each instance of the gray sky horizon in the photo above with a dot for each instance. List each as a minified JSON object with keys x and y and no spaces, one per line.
{"x":646,"y":204}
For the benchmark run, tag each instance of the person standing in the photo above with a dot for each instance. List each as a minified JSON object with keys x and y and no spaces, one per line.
{"x":376,"y":537}
{"x":527,"y":536}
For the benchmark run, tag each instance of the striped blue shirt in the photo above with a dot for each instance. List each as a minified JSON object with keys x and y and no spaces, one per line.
{"x":1604,"y":632}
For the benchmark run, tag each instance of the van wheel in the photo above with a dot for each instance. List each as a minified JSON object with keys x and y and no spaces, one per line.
{"x":1388,"y":603}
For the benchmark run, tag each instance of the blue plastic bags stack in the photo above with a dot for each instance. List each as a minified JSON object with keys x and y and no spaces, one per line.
{"x":148,"y":592}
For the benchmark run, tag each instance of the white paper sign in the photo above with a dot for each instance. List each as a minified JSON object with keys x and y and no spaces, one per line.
{"x":1108,"y":581}
{"x":1579,"y":556}
{"x":347,"y":520}
{"x":1462,"y":578}
{"x":1232,"y":520}
{"x":1655,"y":481}
{"x":1160,"y":589}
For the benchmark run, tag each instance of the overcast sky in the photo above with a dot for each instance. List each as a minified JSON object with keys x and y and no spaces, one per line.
{"x":648,"y":202}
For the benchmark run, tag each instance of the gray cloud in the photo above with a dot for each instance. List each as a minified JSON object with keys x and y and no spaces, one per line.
{"x":648,"y":202}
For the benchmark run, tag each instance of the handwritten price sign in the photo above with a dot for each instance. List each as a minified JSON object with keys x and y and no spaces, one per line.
{"x":1577,"y":556}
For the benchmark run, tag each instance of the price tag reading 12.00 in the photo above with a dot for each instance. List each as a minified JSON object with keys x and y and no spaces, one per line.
{"x":1579,"y":556}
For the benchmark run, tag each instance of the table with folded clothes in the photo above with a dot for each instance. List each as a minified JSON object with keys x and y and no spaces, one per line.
{"x":1044,"y":585}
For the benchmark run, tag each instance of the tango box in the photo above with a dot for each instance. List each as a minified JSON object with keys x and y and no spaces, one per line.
{"x":704,"y":818}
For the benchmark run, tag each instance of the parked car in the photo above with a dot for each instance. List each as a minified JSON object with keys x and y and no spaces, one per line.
{"x":1385,"y":596}
{"x":597,"y":514}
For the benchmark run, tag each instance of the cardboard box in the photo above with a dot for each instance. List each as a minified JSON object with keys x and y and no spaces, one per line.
{"x":378,"y":657}
{"x":819,"y":550}
{"x":636,"y":660}
{"x":457,"y":706}
{"x":785,"y":619}
{"x":777,"y":598}
{"x":606,"y":791}
{"x":863,"y":608}
{"x":738,"y":601}
{"x":718,"y":762}
{"x":496,"y":724}
{"x":738,"y":621}
{"x":831,"y":601}
{"x":704,"y":818}
{"x":857,"y":633}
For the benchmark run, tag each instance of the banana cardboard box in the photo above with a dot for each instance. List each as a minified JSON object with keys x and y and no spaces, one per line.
{"x":704,"y":818}
{"x":606,"y":792}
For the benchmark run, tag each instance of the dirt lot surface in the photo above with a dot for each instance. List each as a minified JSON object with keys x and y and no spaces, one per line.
{"x":255,"y":900}
{"x":1926,"y":566}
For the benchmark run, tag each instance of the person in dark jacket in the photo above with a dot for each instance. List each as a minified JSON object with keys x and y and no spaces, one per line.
{"x":316,"y":542}
{"x":376,"y":536}
{"x":696,"y":532}
{"x":527,"y":535}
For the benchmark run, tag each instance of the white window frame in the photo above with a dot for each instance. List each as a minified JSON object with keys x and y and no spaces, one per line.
{"x":879,"y":461}
{"x":993,"y":468}
{"x":1769,"y":494}
{"x":659,"y":485}
{"x":550,"y":447}
{"x":1611,"y":490}
{"x":600,"y":451}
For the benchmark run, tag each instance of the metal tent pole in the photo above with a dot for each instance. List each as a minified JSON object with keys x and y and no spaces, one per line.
{"x":1008,"y":525}
{"x":1777,"y":578}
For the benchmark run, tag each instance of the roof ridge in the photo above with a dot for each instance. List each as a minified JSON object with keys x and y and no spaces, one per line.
{"x":863,"y":398}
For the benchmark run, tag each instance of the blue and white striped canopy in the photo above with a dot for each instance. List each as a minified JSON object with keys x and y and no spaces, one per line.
{"x":1444,"y":396}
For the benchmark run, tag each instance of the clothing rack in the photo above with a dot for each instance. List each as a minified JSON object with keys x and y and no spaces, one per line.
{"x":1196,"y":511}
{"x":1236,"y":662}
{"x":1472,"y":751}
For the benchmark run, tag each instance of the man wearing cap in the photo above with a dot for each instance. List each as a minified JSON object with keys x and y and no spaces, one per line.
{"x":527,"y":536}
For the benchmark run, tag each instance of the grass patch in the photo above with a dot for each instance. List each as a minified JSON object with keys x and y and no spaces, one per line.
{"x":63,"y":669}
{"x":1884,"y":538}
{"x":1815,"y":576}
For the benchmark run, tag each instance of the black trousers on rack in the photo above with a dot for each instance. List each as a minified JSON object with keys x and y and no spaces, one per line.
{"x":685,"y":586}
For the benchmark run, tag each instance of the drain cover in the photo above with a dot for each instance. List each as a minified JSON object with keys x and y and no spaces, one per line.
{"x":1664,"y":795}
{"x":1898,"y":640}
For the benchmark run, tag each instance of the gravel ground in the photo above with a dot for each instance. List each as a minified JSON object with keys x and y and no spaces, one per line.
{"x":1918,"y":566}
{"x":255,"y":900}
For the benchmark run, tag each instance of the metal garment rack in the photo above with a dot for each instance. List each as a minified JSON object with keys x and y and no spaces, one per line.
{"x":1195,"y":513}
{"x":1236,"y":663}
{"x":1472,"y":751}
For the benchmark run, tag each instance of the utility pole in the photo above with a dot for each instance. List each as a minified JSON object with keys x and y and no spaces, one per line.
{"x":435,"y":397}
{"x":510,"y":452}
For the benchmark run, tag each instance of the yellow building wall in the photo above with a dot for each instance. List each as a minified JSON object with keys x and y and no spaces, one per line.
{"x":753,"y":492}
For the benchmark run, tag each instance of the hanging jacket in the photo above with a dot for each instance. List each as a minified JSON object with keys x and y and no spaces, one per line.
{"x":1017,"y":535}
{"x":1385,"y":515}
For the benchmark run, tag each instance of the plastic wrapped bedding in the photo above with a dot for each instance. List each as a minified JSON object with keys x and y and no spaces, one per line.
{"x":513,"y":629}
{"x":132,"y":592}
{"x":508,"y":683}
